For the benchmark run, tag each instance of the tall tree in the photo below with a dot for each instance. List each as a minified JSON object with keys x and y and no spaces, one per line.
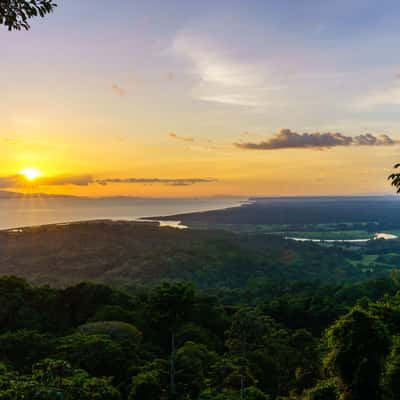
{"x":172,"y":304}
{"x":358,"y":343}
{"x":245,"y":334}
{"x":14,"y":14}
{"x":391,"y":376}
{"x":193,"y":361}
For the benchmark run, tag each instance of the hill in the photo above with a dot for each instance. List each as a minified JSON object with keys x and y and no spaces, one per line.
{"x":129,"y":253}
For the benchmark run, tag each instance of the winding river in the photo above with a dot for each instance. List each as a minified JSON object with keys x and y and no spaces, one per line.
{"x":386,"y":236}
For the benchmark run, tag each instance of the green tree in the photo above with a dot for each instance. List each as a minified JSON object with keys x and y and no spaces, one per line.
{"x":251,"y":393}
{"x":245,"y":334}
{"x":96,"y":354}
{"x":357,"y":345}
{"x":115,"y":313}
{"x":285,"y":361}
{"x":171,"y":306}
{"x":192,"y":363}
{"x":151,"y":382}
{"x":55,"y":380}
{"x":14,"y":14}
{"x":324,"y":390}
{"x":228,"y":373}
{"x":387,"y":311}
{"x":24,"y":348}
{"x":127,"y":335}
{"x":391,"y":375}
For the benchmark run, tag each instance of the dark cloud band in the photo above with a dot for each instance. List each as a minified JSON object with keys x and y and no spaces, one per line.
{"x":171,"y":182}
{"x":16,"y":181}
{"x":287,"y":139}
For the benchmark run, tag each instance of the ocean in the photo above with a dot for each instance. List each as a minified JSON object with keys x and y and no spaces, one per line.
{"x":30,"y":211}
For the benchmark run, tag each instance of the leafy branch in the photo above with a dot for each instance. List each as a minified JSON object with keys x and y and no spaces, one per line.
{"x":15,"y":14}
{"x":395,"y":178}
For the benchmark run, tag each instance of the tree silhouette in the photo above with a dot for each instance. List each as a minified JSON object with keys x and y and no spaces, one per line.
{"x":395,"y":178}
{"x":15,"y":14}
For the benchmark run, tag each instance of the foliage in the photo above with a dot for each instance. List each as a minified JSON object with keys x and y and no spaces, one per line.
{"x":357,"y":345}
{"x":118,"y":331}
{"x":324,"y":390}
{"x":395,"y":179}
{"x":391,"y":376}
{"x":14,"y":14}
{"x":53,"y":380}
{"x":97,"y":354}
{"x":192,"y":362}
{"x":23,"y":348}
{"x":55,"y":345}
{"x":129,"y":255}
{"x":151,"y":382}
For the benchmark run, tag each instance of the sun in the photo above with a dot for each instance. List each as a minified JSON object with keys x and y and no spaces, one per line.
{"x":31,"y":173}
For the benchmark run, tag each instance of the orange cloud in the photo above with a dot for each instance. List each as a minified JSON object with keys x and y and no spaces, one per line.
{"x":174,"y":136}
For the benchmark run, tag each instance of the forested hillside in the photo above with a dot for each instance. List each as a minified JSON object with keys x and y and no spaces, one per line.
{"x":195,"y":315}
{"x":302,"y":210}
{"x":140,"y":253}
{"x":90,"y":342}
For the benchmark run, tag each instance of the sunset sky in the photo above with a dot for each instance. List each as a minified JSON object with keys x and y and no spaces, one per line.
{"x":203,"y":98}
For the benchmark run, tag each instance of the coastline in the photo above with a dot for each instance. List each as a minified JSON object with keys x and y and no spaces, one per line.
{"x":169,"y":220}
{"x":24,"y":216}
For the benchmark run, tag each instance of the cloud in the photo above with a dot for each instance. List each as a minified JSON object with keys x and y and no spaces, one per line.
{"x":370,"y":140}
{"x":162,"y":181}
{"x":12,"y":181}
{"x":62,"y":180}
{"x":287,"y":139}
{"x":222,"y":78}
{"x":118,"y":90}
{"x":19,"y":181}
{"x":174,"y":136}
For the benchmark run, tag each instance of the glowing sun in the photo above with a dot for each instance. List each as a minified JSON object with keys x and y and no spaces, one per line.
{"x":31,"y":173}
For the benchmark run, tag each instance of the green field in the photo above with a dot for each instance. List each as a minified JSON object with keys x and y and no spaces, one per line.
{"x":331,"y":235}
{"x":343,"y":231}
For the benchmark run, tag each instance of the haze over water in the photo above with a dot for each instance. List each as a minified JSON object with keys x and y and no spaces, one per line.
{"x":16,"y":213}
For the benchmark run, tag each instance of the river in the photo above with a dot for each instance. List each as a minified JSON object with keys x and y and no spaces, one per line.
{"x":386,"y":236}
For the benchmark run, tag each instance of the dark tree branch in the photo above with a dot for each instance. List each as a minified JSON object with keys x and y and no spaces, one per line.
{"x":15,"y":14}
{"x":395,"y":179}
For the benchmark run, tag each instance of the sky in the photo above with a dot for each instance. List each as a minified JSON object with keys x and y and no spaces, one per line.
{"x":186,"y":98}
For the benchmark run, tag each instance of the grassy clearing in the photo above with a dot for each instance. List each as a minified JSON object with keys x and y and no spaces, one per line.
{"x":332,"y":235}
{"x":342,"y":231}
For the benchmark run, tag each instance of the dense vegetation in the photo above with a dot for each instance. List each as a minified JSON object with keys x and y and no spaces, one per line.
{"x":91,"y":342}
{"x":195,"y":315}
{"x":137,"y":253}
{"x":369,"y":214}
